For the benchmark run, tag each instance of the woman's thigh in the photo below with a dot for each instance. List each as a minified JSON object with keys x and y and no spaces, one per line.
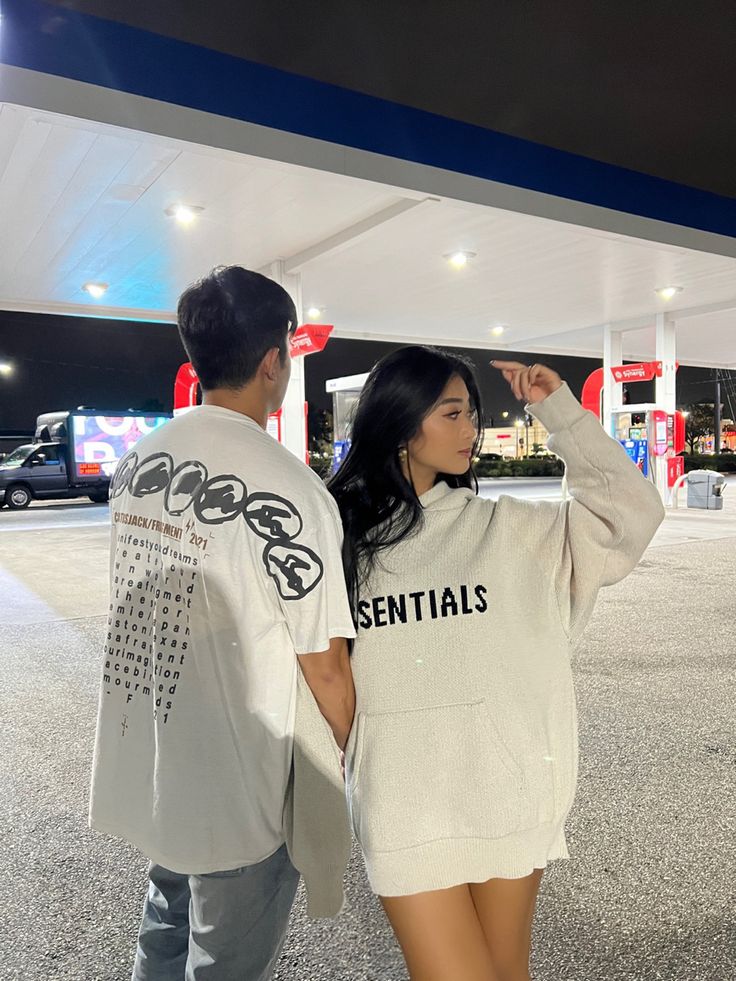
{"x":440,"y":935}
{"x":505,"y":909}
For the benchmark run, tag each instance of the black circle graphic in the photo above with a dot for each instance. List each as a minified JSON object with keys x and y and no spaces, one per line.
{"x":220,"y":499}
{"x":295,"y":569}
{"x":125,"y":470}
{"x":186,"y":483}
{"x":273,"y":517}
{"x":152,"y":476}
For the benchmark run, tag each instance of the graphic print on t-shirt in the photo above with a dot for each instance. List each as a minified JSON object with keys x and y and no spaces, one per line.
{"x":149,"y":631}
{"x":159,"y":563}
{"x":185,"y":481}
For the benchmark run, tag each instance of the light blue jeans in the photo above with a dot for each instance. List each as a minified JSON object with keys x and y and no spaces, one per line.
{"x":222,"y":926}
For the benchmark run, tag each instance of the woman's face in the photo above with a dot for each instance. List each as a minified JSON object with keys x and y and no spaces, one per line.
{"x":446,"y":437}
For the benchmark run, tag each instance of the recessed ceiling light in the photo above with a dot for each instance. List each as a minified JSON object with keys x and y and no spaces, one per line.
{"x":314,"y":312}
{"x":459,"y":259}
{"x":95,"y":290}
{"x":667,"y":292}
{"x":185,"y":214}
{"x":498,"y":330}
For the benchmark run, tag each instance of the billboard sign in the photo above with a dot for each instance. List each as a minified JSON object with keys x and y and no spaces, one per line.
{"x":98,"y":442}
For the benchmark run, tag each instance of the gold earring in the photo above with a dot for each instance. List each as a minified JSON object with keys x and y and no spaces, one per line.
{"x":403,"y":452}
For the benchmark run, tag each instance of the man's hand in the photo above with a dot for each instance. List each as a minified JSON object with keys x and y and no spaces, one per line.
{"x":529,"y":383}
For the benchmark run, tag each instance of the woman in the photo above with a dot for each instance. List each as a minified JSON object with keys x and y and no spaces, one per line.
{"x":461,"y":763}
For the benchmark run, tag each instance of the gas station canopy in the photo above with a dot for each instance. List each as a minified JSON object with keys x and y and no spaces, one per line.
{"x":356,"y":205}
{"x":85,"y":201}
{"x":104,"y":126}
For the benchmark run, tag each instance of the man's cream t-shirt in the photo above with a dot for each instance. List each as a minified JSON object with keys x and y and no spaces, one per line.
{"x":225,"y":563}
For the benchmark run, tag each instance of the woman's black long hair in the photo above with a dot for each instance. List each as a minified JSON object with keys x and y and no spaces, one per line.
{"x":378,"y":505}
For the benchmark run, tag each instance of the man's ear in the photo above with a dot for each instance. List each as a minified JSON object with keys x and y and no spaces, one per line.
{"x":270,"y":364}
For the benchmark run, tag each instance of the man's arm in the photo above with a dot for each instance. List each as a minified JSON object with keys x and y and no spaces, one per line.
{"x":330,"y":678}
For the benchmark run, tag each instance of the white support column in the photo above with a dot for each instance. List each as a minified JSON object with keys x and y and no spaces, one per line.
{"x":293,"y":433}
{"x":665,"y":393}
{"x":612,"y":390}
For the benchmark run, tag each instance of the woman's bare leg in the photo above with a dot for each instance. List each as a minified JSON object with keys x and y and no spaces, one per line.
{"x":440,"y":935}
{"x":505,"y":909}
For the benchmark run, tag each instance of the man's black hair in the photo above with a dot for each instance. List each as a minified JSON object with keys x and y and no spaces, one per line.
{"x":228,"y":320}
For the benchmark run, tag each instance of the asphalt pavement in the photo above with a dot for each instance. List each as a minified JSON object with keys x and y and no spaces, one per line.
{"x":648,"y":894}
{"x":81,"y":513}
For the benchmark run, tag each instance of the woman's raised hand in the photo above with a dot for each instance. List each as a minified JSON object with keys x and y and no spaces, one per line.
{"x":529,"y":383}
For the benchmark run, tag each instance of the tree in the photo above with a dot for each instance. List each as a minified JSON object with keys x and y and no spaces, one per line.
{"x":699,"y":422}
{"x":320,"y":441}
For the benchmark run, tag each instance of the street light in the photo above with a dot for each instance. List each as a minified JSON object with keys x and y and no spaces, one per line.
{"x":6,"y":368}
{"x":519,"y":424}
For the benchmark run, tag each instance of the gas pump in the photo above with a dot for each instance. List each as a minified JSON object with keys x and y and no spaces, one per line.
{"x":646,"y":432}
{"x":631,"y":430}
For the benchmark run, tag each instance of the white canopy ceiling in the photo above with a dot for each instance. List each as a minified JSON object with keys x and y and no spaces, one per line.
{"x":83,"y":200}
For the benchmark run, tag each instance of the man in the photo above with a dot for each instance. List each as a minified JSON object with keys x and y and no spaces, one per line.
{"x":225,"y":562}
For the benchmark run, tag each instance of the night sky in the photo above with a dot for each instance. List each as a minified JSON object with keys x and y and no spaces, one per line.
{"x":65,"y":362}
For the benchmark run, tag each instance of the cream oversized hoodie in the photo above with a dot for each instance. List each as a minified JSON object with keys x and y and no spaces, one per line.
{"x":462,"y":760}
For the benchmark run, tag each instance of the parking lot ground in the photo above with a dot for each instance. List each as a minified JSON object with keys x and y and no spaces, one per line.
{"x":648,"y":894}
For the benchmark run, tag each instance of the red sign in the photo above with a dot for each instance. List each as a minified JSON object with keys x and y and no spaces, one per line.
{"x":89,"y":469}
{"x":658,"y":431}
{"x":185,"y":387}
{"x":675,"y":469}
{"x":644,"y":371}
{"x":307,"y":339}
{"x":310,"y":338}
{"x":590,"y":398}
{"x":591,"y":394}
{"x":679,"y":440}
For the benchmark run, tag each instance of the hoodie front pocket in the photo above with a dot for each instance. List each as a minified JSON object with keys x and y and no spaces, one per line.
{"x":426,"y":774}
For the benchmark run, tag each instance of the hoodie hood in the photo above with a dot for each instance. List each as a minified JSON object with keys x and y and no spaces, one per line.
{"x":442,"y":497}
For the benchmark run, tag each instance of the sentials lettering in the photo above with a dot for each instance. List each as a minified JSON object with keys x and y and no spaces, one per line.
{"x":431,"y":604}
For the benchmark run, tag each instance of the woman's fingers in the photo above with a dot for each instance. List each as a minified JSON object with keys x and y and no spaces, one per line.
{"x":524,"y":384}
{"x":521,"y":377}
{"x":508,"y":364}
{"x":511,"y":371}
{"x":524,"y":378}
{"x":521,"y":383}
